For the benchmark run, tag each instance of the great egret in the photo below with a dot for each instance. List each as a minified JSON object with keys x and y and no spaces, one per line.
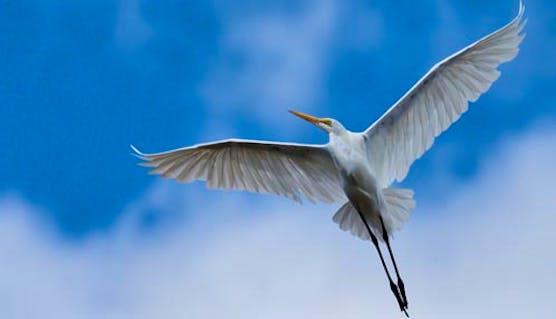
{"x":355,"y":169}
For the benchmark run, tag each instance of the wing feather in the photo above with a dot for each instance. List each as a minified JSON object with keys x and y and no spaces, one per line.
{"x":437,"y":100}
{"x":290,"y":170}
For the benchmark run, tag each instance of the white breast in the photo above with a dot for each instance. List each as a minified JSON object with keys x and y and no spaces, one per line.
{"x":348,"y":152}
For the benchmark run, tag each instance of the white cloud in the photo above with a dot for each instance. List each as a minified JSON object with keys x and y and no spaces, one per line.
{"x":485,"y":251}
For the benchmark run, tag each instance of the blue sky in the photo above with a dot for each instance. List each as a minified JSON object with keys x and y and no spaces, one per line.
{"x":82,"y":80}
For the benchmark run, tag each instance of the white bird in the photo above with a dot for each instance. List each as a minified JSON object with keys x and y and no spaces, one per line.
{"x":355,"y":168}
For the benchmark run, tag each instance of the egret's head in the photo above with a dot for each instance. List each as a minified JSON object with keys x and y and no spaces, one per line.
{"x":327,"y":124}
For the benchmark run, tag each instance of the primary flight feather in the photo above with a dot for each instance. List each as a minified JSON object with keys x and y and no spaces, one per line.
{"x":355,"y":168}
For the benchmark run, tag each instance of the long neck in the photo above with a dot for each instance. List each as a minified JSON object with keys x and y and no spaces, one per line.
{"x":345,"y":144}
{"x":339,"y":134}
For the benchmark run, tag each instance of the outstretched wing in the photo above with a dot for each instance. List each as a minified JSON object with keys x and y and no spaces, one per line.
{"x":284,"y":169}
{"x":437,"y":100}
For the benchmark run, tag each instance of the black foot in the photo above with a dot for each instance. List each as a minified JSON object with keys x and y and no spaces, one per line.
{"x":402,"y":291}
{"x":396,"y":293}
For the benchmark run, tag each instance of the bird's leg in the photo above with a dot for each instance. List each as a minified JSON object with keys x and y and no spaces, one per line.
{"x":393,"y":286}
{"x":400,"y":282}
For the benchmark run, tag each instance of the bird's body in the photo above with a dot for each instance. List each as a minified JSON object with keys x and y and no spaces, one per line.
{"x":358,"y":181}
{"x":350,"y":156}
{"x":355,"y":169}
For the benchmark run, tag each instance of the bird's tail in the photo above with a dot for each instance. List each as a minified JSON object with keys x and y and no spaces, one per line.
{"x":399,"y":203}
{"x":349,"y":220}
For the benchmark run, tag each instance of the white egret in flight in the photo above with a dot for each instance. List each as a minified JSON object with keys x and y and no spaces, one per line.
{"x":355,"y":169}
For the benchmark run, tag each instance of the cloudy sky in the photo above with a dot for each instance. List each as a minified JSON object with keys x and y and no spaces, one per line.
{"x":85,"y":233}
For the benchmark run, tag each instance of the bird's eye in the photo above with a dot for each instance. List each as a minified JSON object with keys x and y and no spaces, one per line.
{"x":327,"y":122}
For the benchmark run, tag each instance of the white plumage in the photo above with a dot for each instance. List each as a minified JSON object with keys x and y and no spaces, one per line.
{"x":355,"y":169}
{"x":437,"y":100}
{"x":290,"y":170}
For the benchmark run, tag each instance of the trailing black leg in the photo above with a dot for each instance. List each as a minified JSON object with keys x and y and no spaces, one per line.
{"x":393,"y":286}
{"x":400,"y":282}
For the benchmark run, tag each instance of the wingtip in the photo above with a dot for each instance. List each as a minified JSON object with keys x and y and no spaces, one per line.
{"x":521,"y":9}
{"x":521,"y":19}
{"x":136,"y":152}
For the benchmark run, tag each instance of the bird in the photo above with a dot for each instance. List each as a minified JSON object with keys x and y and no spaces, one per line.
{"x":355,"y":169}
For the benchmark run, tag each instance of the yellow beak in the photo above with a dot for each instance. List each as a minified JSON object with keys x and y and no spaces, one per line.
{"x":307,"y":117}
